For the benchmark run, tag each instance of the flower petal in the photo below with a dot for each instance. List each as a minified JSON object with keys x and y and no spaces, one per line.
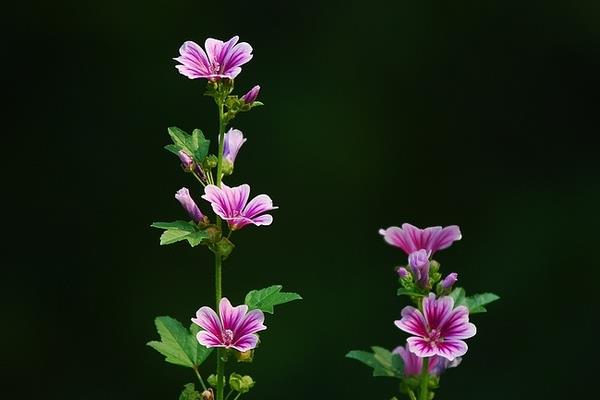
{"x":420,"y":346}
{"x":412,"y":363}
{"x":235,"y":57}
{"x":412,"y":322}
{"x":450,"y":349}
{"x":252,"y":323}
{"x":194,"y":60}
{"x":258,"y":205}
{"x":213,"y":48}
{"x":231,"y":316}
{"x":245,"y":343}
{"x":457,"y":325}
{"x":219,"y":203}
{"x":208,"y":320}
{"x":237,"y":197}
{"x":399,"y":238}
{"x":207,"y":339}
{"x":444,"y":238}
{"x":437,"y":310}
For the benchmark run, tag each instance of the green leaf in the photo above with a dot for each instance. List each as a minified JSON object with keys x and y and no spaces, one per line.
{"x":197,"y":237}
{"x":190,"y":393}
{"x":178,"y":345}
{"x":173,"y":148}
{"x":195,"y":145}
{"x":172,"y":236}
{"x":199,"y":145}
{"x":408,"y":292}
{"x":179,"y":136}
{"x":476,"y":303}
{"x":265,"y":299}
{"x":180,"y":225}
{"x":383,"y":362}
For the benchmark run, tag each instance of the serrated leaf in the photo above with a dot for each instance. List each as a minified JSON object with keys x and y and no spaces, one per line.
{"x":195,"y":238}
{"x":190,"y":393}
{"x":383,"y":362}
{"x":172,"y":236}
{"x":458,"y":294}
{"x":178,"y":344}
{"x":199,"y":145}
{"x":265,"y":299}
{"x":195,"y":145}
{"x":476,"y":303}
{"x":179,"y":136}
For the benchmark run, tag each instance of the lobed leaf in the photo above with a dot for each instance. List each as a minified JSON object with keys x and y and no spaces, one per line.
{"x":383,"y":362}
{"x":190,"y":393}
{"x":474,"y":303}
{"x":266,"y":299}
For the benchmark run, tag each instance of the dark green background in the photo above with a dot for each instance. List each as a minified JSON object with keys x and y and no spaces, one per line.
{"x":477,"y":113}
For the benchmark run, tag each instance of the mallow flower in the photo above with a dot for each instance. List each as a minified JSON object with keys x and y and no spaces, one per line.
{"x":234,"y":327}
{"x":231,"y":204}
{"x":439,"y":329}
{"x":412,"y":239}
{"x":232,"y":142}
{"x":413,"y":364}
{"x":183,"y":196}
{"x":220,"y":60}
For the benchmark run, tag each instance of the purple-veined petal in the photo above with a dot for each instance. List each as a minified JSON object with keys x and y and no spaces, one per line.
{"x":231,"y":316}
{"x":258,"y":205}
{"x":412,"y":363}
{"x":213,"y":48}
{"x":412,"y":322}
{"x":437,"y":310}
{"x":194,"y":61}
{"x":186,"y":201}
{"x":235,"y":57}
{"x":208,"y":320}
{"x":444,"y":238}
{"x":252,"y":323}
{"x":457,"y":325}
{"x":218,"y":200}
{"x":207,"y":339}
{"x":245,"y":343}
{"x":233,"y":141}
{"x":420,"y":346}
{"x":251,"y":96}
{"x":237,"y":197}
{"x":397,"y":237}
{"x":452,"y":348}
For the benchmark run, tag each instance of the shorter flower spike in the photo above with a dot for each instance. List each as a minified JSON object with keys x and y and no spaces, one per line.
{"x":234,"y":327}
{"x":183,"y":196}
{"x":251,"y":96}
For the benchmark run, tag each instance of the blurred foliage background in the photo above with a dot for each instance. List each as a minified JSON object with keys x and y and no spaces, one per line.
{"x":481,"y":114}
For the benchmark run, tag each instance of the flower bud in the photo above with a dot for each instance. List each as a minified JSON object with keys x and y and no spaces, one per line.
{"x":403,"y":272}
{"x":449,"y":281}
{"x":240,"y":383}
{"x":246,"y":356}
{"x":183,"y":196}
{"x":233,"y":141}
{"x":208,"y":395}
{"x":419,"y":263}
{"x":186,"y":161}
{"x":251,"y":96}
{"x":212,"y":380}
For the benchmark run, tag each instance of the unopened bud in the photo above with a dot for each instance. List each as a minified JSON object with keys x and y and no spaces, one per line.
{"x":449,"y":281}
{"x":208,"y":395}
{"x":403,"y":272}
{"x":240,"y":383}
{"x":186,"y":161}
{"x":251,"y":96}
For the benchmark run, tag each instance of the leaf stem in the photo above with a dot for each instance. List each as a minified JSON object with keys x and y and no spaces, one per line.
{"x":200,"y":378}
{"x":236,"y":397}
{"x":424,"y":392}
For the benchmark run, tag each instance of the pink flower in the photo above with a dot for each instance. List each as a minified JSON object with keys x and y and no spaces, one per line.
{"x":232,"y":205}
{"x":234,"y":327}
{"x":183,"y":196}
{"x":412,"y":239}
{"x":439,"y":329}
{"x":221,"y":60}
{"x":413,"y":364}
{"x":232,"y":142}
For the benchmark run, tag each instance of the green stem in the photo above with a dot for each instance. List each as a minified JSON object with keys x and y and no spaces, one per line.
{"x":236,"y":397}
{"x":424,"y":393}
{"x":218,"y":258}
{"x":411,"y":394}
{"x":200,"y":378}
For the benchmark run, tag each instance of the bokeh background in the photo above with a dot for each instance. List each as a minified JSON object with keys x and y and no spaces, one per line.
{"x":481,"y":114}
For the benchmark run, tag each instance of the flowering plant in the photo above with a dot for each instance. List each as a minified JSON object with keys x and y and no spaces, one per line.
{"x":233,"y":331}
{"x":439,"y":323}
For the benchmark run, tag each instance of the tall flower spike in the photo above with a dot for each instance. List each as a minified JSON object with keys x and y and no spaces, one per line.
{"x":220,"y":60}
{"x":231,"y":204}
{"x":183,"y":196}
{"x":439,"y":330}
{"x":233,"y":141}
{"x":234,"y":327}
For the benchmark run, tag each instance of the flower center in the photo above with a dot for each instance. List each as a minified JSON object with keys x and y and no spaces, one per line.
{"x":227,"y":337}
{"x":215,"y":67}
{"x":435,"y":336}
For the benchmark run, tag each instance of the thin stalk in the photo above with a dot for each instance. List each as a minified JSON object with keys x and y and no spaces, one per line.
{"x":424,"y":392}
{"x":200,"y":378}
{"x":238,"y":396}
{"x":218,"y":258}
